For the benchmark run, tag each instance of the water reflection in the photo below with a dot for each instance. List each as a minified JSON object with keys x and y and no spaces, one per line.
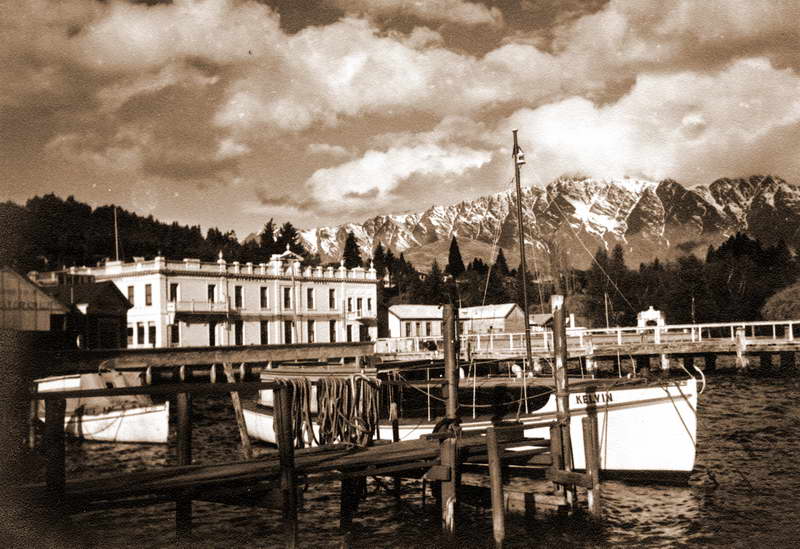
{"x":743,"y":492}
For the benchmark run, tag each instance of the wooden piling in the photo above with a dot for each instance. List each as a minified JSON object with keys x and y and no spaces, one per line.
{"x":496,"y":481}
{"x":285,"y":438}
{"x":591,"y":446}
{"x":562,"y":387}
{"x":787,"y":361}
{"x":709,"y":362}
{"x":54,"y":411}
{"x":765,"y":361}
{"x":449,"y":446}
{"x":247,"y":451}
{"x":183,"y":504}
{"x":742,"y":361}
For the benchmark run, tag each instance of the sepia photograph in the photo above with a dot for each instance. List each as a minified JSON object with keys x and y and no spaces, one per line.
{"x":390,"y":274}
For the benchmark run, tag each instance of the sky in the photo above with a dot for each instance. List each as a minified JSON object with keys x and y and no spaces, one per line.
{"x":226,"y":113}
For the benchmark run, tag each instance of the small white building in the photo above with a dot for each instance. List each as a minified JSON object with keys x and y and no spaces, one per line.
{"x":504,"y":317}
{"x":415,"y":321}
{"x":192,"y":303}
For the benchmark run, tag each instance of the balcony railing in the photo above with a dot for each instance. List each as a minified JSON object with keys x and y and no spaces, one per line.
{"x":361,"y":313}
{"x":200,"y":307}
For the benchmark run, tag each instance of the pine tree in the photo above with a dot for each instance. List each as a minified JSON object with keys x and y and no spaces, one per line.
{"x":351,"y":254}
{"x":500,"y":264}
{"x":267,"y":240}
{"x":379,"y":261}
{"x":289,"y":236}
{"x":455,"y":265}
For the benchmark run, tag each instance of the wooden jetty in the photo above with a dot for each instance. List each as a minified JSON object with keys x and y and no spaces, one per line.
{"x":273,"y":480}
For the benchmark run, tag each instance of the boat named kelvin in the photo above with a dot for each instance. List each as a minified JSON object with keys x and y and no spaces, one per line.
{"x":647,"y":428}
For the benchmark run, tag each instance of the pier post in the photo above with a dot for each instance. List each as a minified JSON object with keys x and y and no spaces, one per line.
{"x":183,"y":504}
{"x":591,"y":446}
{"x":664,"y":360}
{"x":787,"y":361}
{"x":449,"y":446}
{"x":54,"y":411}
{"x":285,"y":438}
{"x":496,"y":480}
{"x":742,"y":362}
{"x":765,"y":362}
{"x":709,"y":362}
{"x":562,"y":387}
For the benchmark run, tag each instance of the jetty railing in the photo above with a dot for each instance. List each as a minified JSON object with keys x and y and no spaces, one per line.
{"x":583,"y":340}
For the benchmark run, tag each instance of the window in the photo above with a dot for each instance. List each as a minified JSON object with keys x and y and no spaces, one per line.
{"x":212,"y":332}
{"x":287,"y":298}
{"x":349,"y":304}
{"x":428,"y":329}
{"x":140,"y":333}
{"x":212,"y":293}
{"x":265,"y":332}
{"x":311,"y":331}
{"x":288,"y":328}
{"x":359,"y":304}
{"x":332,"y":299}
{"x":408,"y":329}
{"x":264,"y":297}
{"x":332,"y":330}
{"x":238,"y":332}
{"x":148,"y":294}
{"x":237,"y":297}
{"x":175,"y":334}
{"x":349,"y":333}
{"x":310,"y":298}
{"x":417,"y":331}
{"x":130,"y":335}
{"x":130,"y":294}
{"x":151,"y":334}
{"x":369,"y":303}
{"x":173,"y":292}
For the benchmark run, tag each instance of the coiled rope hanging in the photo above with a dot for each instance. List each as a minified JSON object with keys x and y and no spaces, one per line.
{"x":347,"y":411}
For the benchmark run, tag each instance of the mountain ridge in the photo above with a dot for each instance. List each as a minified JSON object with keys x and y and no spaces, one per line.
{"x":571,"y":217}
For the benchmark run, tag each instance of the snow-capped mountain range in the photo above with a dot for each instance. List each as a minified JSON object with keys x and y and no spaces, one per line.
{"x":577,"y":215}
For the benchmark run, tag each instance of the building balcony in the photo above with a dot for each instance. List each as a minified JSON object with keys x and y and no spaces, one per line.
{"x":362,"y":314}
{"x":201,"y":307}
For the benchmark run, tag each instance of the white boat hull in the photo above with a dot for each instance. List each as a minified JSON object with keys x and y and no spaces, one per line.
{"x":145,"y":424}
{"x":118,"y":421}
{"x":647,"y":430}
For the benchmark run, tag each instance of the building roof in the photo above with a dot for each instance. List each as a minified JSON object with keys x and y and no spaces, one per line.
{"x":432,"y":312}
{"x":501,"y":310}
{"x":541,"y":319}
{"x":97,"y":297}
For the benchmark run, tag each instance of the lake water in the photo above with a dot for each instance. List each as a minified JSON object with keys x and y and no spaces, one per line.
{"x":745,"y":491}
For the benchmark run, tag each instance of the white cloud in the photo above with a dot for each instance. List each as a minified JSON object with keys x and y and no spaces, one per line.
{"x":688,"y":126}
{"x":443,"y":11}
{"x":328,"y":150}
{"x":375,"y":176}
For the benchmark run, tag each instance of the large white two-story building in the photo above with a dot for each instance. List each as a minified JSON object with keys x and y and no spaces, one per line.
{"x":192,"y":303}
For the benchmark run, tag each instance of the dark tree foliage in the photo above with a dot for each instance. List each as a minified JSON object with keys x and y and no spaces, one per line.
{"x":289,"y":238}
{"x":455,"y":265}
{"x":351,"y":254}
{"x":379,"y":261}
{"x":500,"y":264}
{"x":267,"y":240}
{"x":51,"y":233}
{"x":433,"y":290}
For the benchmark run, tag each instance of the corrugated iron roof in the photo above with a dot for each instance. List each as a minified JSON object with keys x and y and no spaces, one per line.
{"x":433,"y":312}
{"x":501,"y":310}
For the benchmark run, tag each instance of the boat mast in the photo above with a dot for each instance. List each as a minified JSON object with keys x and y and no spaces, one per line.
{"x":519,"y":160}
{"x":116,"y":236}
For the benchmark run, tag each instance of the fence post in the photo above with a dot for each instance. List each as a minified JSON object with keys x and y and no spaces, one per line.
{"x":449,"y":446}
{"x":562,"y":385}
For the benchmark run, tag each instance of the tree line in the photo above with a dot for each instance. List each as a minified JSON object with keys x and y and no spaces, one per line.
{"x":732,"y":283}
